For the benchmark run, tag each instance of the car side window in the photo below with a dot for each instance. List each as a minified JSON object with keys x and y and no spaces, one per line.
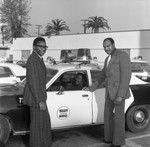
{"x":70,"y":81}
{"x":5,"y":72}
{"x":136,"y":67}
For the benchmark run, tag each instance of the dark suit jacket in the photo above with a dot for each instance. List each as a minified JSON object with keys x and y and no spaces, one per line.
{"x":35,"y":89}
{"x":117,"y":75}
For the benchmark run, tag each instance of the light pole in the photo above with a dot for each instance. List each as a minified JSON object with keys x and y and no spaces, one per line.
{"x":39,"y":27}
{"x":84,"y":20}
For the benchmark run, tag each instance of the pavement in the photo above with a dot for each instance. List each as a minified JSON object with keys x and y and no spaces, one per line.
{"x":90,"y":137}
{"x":138,"y":141}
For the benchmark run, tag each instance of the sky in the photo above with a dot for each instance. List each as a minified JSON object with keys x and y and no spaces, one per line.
{"x":121,"y":14}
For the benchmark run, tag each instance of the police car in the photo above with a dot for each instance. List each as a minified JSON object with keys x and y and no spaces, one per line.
{"x":70,"y":108}
{"x":11,"y":73}
{"x":141,"y":69}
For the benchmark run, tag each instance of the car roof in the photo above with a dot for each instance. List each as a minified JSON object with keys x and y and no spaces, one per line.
{"x":68,"y":66}
{"x":138,"y":61}
{"x":17,"y":69}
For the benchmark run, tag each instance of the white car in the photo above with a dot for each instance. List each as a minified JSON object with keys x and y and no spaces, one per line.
{"x":11,"y":73}
{"x":70,"y":108}
{"x":141,"y":69}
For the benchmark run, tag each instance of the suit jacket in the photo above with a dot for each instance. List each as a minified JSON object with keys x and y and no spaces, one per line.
{"x":117,"y":75}
{"x":35,"y":89}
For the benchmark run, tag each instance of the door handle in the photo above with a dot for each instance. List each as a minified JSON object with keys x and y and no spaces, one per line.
{"x":85,"y":95}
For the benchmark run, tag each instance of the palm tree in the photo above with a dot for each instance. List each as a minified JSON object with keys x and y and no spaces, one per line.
{"x":14,"y":13}
{"x":95,"y":23}
{"x":56,"y":27}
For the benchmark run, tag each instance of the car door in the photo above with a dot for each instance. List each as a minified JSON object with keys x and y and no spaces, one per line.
{"x":98,"y":99}
{"x":71,"y":107}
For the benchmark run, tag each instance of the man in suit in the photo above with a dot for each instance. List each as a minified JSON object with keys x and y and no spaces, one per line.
{"x":117,"y":74}
{"x":35,"y":96}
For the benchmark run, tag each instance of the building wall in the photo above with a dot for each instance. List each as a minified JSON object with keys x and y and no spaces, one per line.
{"x":17,"y":55}
{"x":5,"y":51}
{"x":144,"y":52}
{"x":137,"y":41}
{"x":52,"y":53}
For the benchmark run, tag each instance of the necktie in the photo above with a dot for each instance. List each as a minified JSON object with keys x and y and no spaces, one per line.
{"x":108,"y":60}
{"x":42,"y":59}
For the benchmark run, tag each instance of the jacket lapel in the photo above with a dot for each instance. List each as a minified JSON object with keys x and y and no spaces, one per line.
{"x":41,"y":62}
{"x":43,"y":65}
{"x":112,"y":59}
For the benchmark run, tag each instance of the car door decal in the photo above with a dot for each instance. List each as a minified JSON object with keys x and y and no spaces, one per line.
{"x":63,"y":112}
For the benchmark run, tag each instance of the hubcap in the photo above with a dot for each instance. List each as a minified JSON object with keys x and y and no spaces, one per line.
{"x":139,"y":116}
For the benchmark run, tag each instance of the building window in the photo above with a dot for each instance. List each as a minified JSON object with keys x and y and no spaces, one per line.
{"x":25,"y":54}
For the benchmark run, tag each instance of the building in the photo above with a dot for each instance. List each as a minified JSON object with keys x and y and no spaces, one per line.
{"x":135,"y":43}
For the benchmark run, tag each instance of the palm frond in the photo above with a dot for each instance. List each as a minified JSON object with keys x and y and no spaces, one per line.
{"x":56,"y":26}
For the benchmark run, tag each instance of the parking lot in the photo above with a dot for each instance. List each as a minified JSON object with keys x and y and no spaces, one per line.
{"x":84,"y":137}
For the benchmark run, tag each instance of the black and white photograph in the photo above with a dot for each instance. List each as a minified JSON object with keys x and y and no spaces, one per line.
{"x":74,"y":73}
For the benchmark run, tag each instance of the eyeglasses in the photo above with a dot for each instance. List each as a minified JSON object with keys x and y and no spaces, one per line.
{"x":42,"y":46}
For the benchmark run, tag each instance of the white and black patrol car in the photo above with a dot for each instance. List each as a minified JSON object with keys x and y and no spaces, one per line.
{"x":141,"y":69}
{"x":71,"y":107}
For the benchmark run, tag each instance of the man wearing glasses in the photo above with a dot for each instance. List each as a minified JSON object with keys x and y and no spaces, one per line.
{"x":35,"y":96}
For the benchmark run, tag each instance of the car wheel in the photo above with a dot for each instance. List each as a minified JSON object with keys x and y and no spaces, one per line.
{"x":4,"y":130}
{"x":138,"y":118}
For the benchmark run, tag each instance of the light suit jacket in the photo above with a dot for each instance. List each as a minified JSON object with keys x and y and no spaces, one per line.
{"x":117,"y":75}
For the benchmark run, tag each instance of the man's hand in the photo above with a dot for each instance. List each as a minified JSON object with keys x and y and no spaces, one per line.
{"x":91,"y":88}
{"x":118,"y":100}
{"x":42,"y":105}
{"x":94,"y":86}
{"x":86,"y":89}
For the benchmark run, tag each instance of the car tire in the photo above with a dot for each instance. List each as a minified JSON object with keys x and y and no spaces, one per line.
{"x":138,"y":118}
{"x":4,"y":130}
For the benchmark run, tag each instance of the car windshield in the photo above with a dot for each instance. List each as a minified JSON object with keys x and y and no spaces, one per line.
{"x":140,"y":66}
{"x":50,"y":74}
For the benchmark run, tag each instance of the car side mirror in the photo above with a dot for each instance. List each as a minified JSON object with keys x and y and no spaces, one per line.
{"x":61,"y":90}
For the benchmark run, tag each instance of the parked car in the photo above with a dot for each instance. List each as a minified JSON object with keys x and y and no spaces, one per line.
{"x":3,"y":59}
{"x":141,"y":69}
{"x":22,"y":63}
{"x":11,"y":73}
{"x":70,"y":108}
